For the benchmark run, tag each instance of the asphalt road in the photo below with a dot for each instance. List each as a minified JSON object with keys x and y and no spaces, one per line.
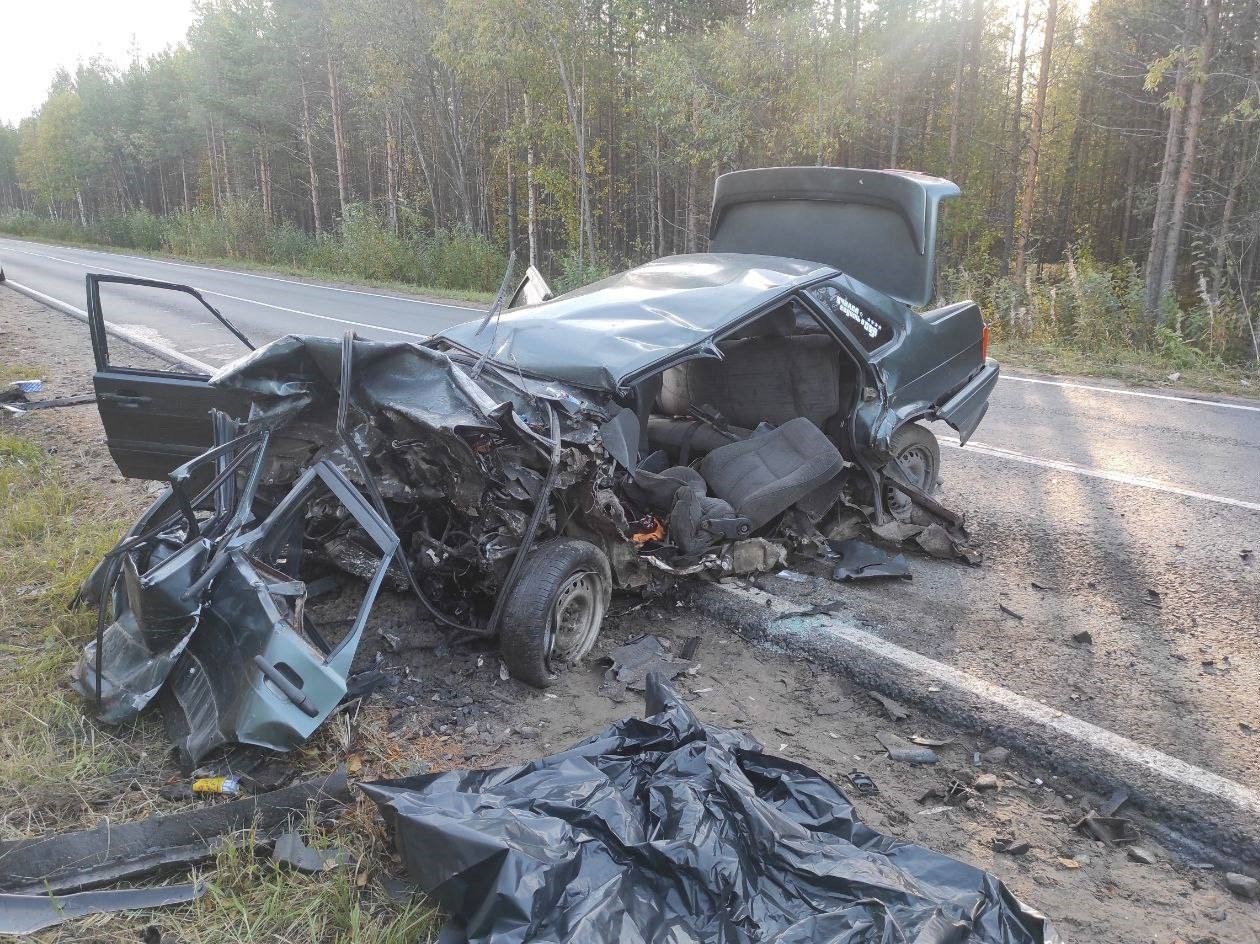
{"x":1137,"y":510}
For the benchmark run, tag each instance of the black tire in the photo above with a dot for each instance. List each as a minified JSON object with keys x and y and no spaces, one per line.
{"x":562,"y":580}
{"x":915,"y":449}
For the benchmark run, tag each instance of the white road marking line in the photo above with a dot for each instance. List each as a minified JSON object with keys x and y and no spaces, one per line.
{"x":1121,"y":477}
{"x":311,"y":314}
{"x":1134,"y":393}
{"x":1091,"y":735}
{"x":268,"y":278}
{"x":237,"y":298}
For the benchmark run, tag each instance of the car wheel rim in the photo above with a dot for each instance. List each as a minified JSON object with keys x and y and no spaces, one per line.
{"x":916,"y":466}
{"x":575,"y":617}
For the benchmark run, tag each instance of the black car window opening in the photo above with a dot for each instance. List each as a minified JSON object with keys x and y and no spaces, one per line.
{"x":870,"y":332}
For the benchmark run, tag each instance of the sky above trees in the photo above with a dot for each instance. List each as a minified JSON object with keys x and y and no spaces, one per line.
{"x":46,"y":35}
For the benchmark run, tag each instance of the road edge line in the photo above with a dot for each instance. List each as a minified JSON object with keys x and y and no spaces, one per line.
{"x":1204,"y":806}
{"x":1125,"y":392}
{"x":1105,"y":475}
{"x":124,"y":334}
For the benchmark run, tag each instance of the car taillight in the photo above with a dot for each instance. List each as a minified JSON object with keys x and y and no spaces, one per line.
{"x":984,"y":342}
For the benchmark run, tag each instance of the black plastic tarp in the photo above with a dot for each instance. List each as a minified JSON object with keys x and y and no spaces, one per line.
{"x":664,"y":829}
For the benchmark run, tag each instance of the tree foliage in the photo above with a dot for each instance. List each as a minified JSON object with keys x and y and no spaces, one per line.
{"x":591,"y":131}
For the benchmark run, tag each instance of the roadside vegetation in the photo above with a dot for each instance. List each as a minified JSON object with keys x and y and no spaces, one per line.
{"x":59,"y":771}
{"x":1079,"y":317}
{"x":449,"y":262}
{"x":1107,"y":153}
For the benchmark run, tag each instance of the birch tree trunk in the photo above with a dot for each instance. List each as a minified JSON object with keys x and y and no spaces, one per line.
{"x":427,"y":171}
{"x":391,"y":172}
{"x":339,"y":136}
{"x":531,"y":193}
{"x":1017,"y":136}
{"x":574,"y":107}
{"x":1029,"y":199}
{"x":1168,"y":172}
{"x":1194,"y":116}
{"x":955,"y":103}
{"x":309,"y":147}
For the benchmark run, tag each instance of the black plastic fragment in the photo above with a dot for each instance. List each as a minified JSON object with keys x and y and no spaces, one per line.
{"x":862,"y":783}
{"x":861,"y":561}
{"x":665,"y":828}
{"x":290,"y":851}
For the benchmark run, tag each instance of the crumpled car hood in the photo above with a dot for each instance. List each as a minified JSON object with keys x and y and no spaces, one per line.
{"x":598,"y":336}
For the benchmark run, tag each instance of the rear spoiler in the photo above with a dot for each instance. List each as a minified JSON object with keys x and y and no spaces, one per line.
{"x":878,"y":226}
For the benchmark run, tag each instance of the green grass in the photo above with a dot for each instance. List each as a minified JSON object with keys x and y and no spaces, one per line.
{"x":52,"y":532}
{"x":12,"y":372}
{"x":60,"y":771}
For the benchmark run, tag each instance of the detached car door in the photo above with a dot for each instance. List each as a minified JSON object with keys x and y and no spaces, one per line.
{"x":154,"y":420}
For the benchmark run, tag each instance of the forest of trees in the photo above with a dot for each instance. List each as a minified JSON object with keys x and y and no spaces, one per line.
{"x":1109,"y":153}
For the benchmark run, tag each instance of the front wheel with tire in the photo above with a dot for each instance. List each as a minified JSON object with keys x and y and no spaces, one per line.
{"x":554,"y":610}
{"x":916,"y":450}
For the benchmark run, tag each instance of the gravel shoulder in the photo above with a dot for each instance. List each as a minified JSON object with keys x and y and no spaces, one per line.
{"x":445,"y":708}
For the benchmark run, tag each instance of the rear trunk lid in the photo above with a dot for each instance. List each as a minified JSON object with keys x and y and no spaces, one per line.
{"x":877,"y":226}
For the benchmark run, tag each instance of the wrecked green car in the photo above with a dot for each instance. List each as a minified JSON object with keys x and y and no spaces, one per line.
{"x":701,"y":414}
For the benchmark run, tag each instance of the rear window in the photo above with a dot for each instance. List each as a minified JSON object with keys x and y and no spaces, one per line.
{"x":870,"y":332}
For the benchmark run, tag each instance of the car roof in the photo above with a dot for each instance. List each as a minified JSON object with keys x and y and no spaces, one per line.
{"x":602,"y":334}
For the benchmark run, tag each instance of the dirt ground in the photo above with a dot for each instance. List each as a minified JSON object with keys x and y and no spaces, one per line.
{"x":445,"y":708}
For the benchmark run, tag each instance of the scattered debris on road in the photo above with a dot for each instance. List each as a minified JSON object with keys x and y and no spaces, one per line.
{"x":1244,"y":886}
{"x":1111,"y":830}
{"x":633,"y":662}
{"x":862,"y":783}
{"x":894,"y":709}
{"x":1119,"y":797}
{"x":291,"y":852}
{"x":899,"y":749}
{"x":1141,"y":854}
{"x":986,"y":782}
{"x":861,"y":561}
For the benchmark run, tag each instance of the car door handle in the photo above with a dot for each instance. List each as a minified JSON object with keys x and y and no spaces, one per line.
{"x":129,"y":400}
